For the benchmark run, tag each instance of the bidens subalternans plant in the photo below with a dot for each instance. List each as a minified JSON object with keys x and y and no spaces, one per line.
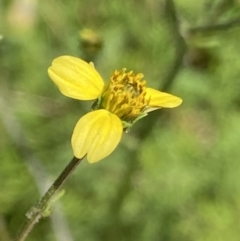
{"x":119,"y":104}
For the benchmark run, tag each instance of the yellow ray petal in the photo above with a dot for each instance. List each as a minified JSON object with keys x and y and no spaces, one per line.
{"x":76,"y":78}
{"x":96,"y":134}
{"x":160,"y":99}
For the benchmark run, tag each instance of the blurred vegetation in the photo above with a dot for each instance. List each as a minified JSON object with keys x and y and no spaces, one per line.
{"x":175,"y":176}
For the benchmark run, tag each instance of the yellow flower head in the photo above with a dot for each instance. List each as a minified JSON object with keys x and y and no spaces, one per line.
{"x":119,"y":104}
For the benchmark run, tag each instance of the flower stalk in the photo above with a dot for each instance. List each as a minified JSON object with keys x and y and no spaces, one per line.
{"x":42,"y":207}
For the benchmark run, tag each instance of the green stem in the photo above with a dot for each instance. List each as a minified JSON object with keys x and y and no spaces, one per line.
{"x":36,"y":212}
{"x":216,"y":27}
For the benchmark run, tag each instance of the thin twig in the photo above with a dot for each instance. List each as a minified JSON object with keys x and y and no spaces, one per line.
{"x":217,"y":9}
{"x":178,"y":43}
{"x":216,"y":27}
{"x":36,"y":212}
{"x":180,"y":49}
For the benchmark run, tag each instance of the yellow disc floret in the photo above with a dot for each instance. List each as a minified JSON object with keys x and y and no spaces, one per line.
{"x":125,"y":95}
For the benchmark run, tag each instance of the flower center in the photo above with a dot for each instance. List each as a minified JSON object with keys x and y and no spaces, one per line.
{"x":124,"y":95}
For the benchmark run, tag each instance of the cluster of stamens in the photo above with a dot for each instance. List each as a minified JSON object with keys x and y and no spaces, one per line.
{"x":125,"y":95}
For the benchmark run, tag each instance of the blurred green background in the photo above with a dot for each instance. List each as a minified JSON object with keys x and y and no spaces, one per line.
{"x":176,"y":175}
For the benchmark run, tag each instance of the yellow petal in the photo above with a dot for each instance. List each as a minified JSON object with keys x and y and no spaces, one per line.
{"x":160,"y":99}
{"x":96,"y":134}
{"x":76,"y":78}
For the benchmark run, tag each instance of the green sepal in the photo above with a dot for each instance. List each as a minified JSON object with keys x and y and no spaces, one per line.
{"x":139,"y":117}
{"x":97,"y":103}
{"x":127,"y":125}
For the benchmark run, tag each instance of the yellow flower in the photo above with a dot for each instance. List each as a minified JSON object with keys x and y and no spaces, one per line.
{"x":118,"y":104}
